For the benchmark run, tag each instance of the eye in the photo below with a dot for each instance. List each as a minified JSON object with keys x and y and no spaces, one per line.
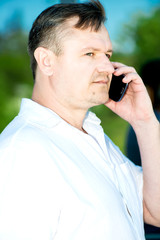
{"x":90,"y":54}
{"x":108,"y":55}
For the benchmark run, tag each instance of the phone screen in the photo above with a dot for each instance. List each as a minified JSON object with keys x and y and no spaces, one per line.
{"x":117,"y":88}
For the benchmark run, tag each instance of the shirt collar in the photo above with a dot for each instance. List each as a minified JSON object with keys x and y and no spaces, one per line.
{"x":38,"y":114}
{"x":91,"y":123}
{"x":92,"y":118}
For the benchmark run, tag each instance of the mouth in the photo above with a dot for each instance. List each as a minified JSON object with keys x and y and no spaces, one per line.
{"x":101,"y":82}
{"x":103,"y":79}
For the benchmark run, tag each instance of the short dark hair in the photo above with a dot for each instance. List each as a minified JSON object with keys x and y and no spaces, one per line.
{"x":50,"y":26}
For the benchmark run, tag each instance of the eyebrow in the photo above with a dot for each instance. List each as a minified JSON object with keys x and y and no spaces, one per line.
{"x":96,"y":49}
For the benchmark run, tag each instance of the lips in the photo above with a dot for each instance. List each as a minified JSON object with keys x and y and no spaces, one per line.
{"x":101,"y":81}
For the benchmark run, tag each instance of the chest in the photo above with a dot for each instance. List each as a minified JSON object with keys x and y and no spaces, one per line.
{"x":96,"y":193}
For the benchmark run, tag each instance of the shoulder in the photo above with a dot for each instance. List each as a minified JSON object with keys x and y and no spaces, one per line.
{"x":22,"y":142}
{"x":20,"y":131}
{"x":24,"y":154}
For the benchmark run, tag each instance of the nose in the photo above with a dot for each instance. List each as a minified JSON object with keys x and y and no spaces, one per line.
{"x":105,"y":66}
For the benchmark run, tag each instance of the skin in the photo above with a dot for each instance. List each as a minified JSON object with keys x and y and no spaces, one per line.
{"x":80,"y":78}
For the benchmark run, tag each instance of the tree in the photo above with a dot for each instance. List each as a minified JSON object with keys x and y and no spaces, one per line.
{"x":142,"y":34}
{"x":15,"y":75}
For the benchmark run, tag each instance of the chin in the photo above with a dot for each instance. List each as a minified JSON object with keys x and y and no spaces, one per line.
{"x":100,"y":101}
{"x":104,"y":98}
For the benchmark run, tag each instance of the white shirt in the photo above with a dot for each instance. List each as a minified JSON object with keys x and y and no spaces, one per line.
{"x":58,"y":183}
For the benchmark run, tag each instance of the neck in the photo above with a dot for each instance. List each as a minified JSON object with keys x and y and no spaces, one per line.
{"x":73,"y":116}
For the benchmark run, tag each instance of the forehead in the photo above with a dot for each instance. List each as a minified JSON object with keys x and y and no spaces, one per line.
{"x":87,"y":38}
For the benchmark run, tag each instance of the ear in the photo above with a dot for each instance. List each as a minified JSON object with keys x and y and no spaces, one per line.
{"x":44,"y":58}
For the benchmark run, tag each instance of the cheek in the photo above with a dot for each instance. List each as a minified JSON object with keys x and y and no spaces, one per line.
{"x":75,"y":74}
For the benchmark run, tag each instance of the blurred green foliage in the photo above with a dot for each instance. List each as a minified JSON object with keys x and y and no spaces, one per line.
{"x":141,"y":38}
{"x":15,"y":75}
{"x":141,"y":35}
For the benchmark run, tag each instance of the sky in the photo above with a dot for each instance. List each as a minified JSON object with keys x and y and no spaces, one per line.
{"x":119,"y":12}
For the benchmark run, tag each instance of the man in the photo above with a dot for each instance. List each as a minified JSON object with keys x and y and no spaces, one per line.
{"x":61,"y":177}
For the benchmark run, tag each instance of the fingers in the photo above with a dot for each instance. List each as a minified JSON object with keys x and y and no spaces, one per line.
{"x":122,"y":69}
{"x":131,"y":77}
{"x":129,"y":72}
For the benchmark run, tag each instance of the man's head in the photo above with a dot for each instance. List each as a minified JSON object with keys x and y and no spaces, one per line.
{"x":51,"y":27}
{"x":70,"y":50}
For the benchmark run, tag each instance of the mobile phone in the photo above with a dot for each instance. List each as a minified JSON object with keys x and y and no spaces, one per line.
{"x":117,"y":88}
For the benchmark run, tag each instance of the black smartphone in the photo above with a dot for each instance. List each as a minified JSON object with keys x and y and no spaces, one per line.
{"x":117,"y":88}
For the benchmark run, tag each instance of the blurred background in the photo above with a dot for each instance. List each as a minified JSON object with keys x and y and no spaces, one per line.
{"x":134,"y":28}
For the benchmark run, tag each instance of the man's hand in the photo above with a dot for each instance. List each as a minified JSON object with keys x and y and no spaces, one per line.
{"x":136,"y":106}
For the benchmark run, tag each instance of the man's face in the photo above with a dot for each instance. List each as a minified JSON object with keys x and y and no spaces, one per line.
{"x":82,"y":74}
